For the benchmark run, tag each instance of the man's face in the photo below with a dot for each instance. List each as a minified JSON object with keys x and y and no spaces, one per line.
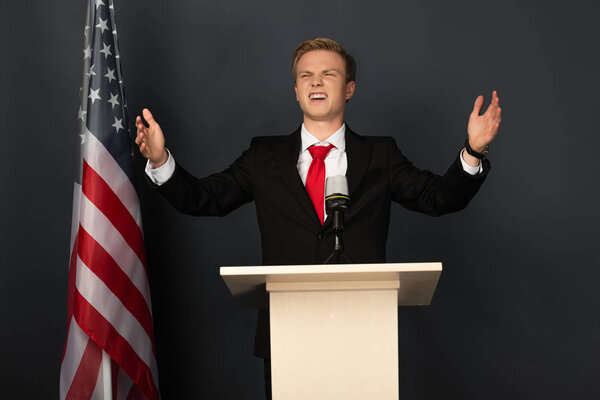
{"x":321,"y":87}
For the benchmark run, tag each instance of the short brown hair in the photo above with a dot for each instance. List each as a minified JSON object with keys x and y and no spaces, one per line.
{"x":324,"y":44}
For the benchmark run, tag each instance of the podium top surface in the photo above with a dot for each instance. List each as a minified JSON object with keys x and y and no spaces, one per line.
{"x":417,"y":281}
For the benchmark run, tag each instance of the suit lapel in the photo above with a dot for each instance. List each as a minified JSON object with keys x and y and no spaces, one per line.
{"x":287,"y":159}
{"x":358,"y":153}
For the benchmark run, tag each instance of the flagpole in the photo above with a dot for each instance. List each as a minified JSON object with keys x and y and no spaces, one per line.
{"x":106,"y":377}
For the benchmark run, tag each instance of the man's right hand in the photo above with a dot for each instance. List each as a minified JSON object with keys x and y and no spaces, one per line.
{"x":151,"y":140}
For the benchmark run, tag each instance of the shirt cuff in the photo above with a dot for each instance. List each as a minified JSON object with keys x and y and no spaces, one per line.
{"x":163,"y":173}
{"x":469,"y":169}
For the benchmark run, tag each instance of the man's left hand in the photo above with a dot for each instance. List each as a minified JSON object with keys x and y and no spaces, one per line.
{"x":483,"y":128}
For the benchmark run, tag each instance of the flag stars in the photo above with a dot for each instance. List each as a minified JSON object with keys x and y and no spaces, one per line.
{"x":105,"y":50}
{"x":99,"y":3}
{"x":103,"y":25}
{"x":94,"y":95}
{"x":113,"y":100}
{"x":87,"y":52}
{"x":91,"y":71}
{"x":110,"y":75}
{"x":118,"y":125}
{"x":84,"y":134}
{"x":81,"y":114}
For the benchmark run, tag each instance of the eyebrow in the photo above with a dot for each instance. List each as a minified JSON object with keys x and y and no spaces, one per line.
{"x":324,"y":71}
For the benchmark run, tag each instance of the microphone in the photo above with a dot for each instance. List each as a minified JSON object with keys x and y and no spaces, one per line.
{"x":337,"y":203}
{"x":336,"y":194}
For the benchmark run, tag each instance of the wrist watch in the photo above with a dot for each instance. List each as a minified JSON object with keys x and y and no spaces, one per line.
{"x":475,"y":154}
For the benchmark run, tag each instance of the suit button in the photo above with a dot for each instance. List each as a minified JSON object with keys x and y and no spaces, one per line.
{"x":320,"y":236}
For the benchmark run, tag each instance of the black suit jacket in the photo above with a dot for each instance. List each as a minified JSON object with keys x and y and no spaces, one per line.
{"x":291,"y":233}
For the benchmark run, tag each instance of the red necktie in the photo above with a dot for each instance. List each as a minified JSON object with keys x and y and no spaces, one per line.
{"x":315,"y":180}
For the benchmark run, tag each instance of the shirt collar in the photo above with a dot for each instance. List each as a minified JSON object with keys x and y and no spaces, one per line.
{"x":337,"y":138}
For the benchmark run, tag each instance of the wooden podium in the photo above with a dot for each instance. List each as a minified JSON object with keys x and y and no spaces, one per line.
{"x":334,"y":328}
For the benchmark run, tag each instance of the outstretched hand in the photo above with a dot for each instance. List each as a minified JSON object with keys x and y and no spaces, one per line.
{"x":483,"y":128}
{"x":151,"y":139}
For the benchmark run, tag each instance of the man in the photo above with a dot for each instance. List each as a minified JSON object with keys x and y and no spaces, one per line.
{"x":284,"y":175}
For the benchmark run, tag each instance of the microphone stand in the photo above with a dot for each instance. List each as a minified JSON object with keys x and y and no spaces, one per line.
{"x":339,"y":255}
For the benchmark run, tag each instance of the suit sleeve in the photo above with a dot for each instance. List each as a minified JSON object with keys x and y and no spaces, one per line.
{"x":215,"y":195}
{"x":423,"y":191}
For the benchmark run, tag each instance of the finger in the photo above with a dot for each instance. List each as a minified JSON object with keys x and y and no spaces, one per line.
{"x":478,"y":105}
{"x":139,"y":138}
{"x":142,"y":131}
{"x":148,"y":116}
{"x":494,"y":105}
{"x":139,"y":121}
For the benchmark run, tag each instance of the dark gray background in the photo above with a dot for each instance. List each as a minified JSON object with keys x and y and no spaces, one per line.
{"x":516,"y":310}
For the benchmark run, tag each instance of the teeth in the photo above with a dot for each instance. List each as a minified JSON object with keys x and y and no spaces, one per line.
{"x":318,"y":96}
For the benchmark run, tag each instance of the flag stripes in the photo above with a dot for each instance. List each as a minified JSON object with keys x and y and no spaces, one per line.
{"x":90,"y":287}
{"x":75,"y":346}
{"x":84,"y":381}
{"x":109,"y":238}
{"x":99,"y":193}
{"x":103,"y":333}
{"x":101,"y":161}
{"x":104,"y":267}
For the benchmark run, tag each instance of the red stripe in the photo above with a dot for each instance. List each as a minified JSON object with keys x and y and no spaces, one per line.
{"x":135,"y":394}
{"x":71,"y":290}
{"x":104,"y":266}
{"x":84,"y":381}
{"x":103,"y":333}
{"x":99,"y":193}
{"x":114,"y":373}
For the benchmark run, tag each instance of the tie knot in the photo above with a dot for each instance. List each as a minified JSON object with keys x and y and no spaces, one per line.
{"x":319,"y":152}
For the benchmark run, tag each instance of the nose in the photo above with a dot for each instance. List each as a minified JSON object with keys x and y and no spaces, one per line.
{"x":316,"y":81}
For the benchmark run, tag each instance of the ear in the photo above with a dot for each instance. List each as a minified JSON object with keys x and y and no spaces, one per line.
{"x":350,"y":88}
{"x":296,"y":90}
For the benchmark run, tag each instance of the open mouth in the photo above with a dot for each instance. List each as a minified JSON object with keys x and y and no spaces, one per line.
{"x":317,"y":96}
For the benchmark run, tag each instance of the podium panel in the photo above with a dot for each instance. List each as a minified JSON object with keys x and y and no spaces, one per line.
{"x":334,"y":344}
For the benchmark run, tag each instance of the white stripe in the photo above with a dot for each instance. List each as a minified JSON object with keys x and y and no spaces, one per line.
{"x":103,"y":231}
{"x":110,"y":307}
{"x":106,"y":376}
{"x":124,"y":384}
{"x":105,"y":165}
{"x":75,"y":217}
{"x":76,"y":343}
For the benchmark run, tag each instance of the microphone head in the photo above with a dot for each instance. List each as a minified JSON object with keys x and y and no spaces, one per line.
{"x":336,"y":194}
{"x":337,"y":184}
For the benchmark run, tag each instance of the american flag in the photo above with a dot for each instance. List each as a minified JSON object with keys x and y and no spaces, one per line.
{"x":109,"y":351}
